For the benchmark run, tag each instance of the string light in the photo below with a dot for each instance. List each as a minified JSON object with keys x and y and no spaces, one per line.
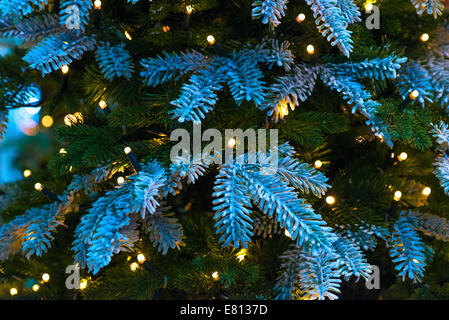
{"x":133,"y":266}
{"x":47,"y":121}
{"x":215,"y":275}
{"x":128,"y":36}
{"x":397,"y":195}
{"x":97,"y":4}
{"x":46,"y":277}
{"x":368,"y":6}
{"x":165,"y":28}
{"x":120,"y":180}
{"x":403,"y":156}
{"x":83,"y":284}
{"x":211,"y":39}
{"x":141,"y":258}
{"x":102,"y":104}
{"x":330,"y":200}
{"x":424,"y":37}
{"x":27,"y":173}
{"x":189,"y":9}
{"x":414,"y":94}
{"x":301,"y":17}
{"x":287,"y":234}
{"x":35,"y":288}
{"x":62,"y":151}
{"x":310,"y":49}
{"x":426,"y":191}
{"x":231,"y":143}
{"x":39,"y":187}
{"x":318,"y":164}
{"x":65,"y":69}
{"x":241,"y":255}
{"x":13,"y":291}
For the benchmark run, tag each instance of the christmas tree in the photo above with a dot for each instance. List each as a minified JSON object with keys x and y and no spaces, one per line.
{"x":214,"y":149}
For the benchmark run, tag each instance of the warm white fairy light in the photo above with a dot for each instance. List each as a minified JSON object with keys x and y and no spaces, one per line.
{"x":62,"y":151}
{"x":397,"y":195}
{"x":318,"y":164}
{"x":424,"y":37}
{"x":301,"y":17}
{"x":102,"y":104}
{"x":97,"y":4}
{"x":189,"y":9}
{"x":47,"y":121}
{"x":310,"y":49}
{"x":141,"y":258}
{"x":414,"y":94}
{"x":241,"y":255}
{"x":120,"y":180}
{"x":83,"y":284}
{"x":35,"y":288}
{"x":211,"y":39}
{"x":134,"y":266}
{"x":368,"y":6}
{"x":128,"y":36}
{"x":13,"y":291}
{"x":330,"y":200}
{"x":216,"y":275}
{"x":65,"y":69}
{"x":39,"y":187}
{"x":231,"y":143}
{"x":426,"y":191}
{"x":128,"y":150}
{"x":403,"y":156}
{"x":27,"y":173}
{"x":46,"y":277}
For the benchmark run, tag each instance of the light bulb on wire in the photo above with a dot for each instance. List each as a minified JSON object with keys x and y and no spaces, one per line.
{"x":65,"y":69}
{"x":424,"y":37}
{"x":97,"y":4}
{"x":301,"y":17}
{"x":211,"y":39}
{"x":426,"y":191}
{"x":310,"y":49}
{"x":397,"y":196}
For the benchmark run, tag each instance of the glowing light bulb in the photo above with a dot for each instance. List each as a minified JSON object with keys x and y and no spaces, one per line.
{"x":27,"y":173}
{"x":310,"y":49}
{"x":211,"y":39}
{"x":231,"y":143}
{"x":397,"y":195}
{"x":13,"y":291}
{"x":38,"y":187}
{"x":83,"y":284}
{"x":368,"y":6}
{"x":35,"y":288}
{"x":120,"y":180}
{"x":403,"y":156}
{"x":414,"y":94}
{"x":424,"y":37}
{"x":301,"y":17}
{"x":46,"y":277}
{"x":97,"y":4}
{"x":133,"y":266}
{"x":70,"y":119}
{"x":287,"y":234}
{"x":165,"y":28}
{"x":128,"y":150}
{"x":189,"y":9}
{"x":241,"y":255}
{"x":318,"y":164}
{"x":141,"y":258}
{"x":62,"y":151}
{"x":102,"y":104}
{"x":330,"y":200}
{"x":215,"y":275}
{"x":128,"y":36}
{"x":426,"y":191}
{"x":65,"y":69}
{"x":47,"y":121}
